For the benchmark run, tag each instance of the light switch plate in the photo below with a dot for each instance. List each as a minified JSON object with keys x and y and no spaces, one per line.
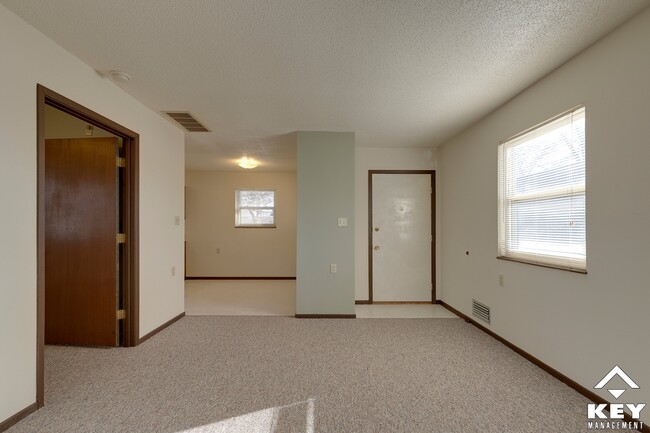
{"x":342,"y":222}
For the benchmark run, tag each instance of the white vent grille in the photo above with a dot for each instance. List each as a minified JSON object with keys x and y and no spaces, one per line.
{"x":480,"y":311}
{"x":187,"y":121}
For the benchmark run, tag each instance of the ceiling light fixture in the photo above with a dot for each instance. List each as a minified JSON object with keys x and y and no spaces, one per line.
{"x":246,"y":162}
{"x":120,"y":77}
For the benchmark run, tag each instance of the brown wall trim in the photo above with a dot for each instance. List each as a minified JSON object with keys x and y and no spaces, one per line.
{"x":45,"y":96}
{"x":402,"y":302}
{"x":161,"y":327}
{"x":240,"y":278}
{"x":368,"y":302}
{"x":14,"y":419}
{"x":547,"y":368}
{"x":370,"y":264}
{"x":433,"y":227}
{"x":326,"y":316}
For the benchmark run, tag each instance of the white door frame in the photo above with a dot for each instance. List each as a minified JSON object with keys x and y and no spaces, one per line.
{"x":432,"y":174}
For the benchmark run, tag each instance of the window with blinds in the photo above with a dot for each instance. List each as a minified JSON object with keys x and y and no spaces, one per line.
{"x":254,"y":208}
{"x":542,"y":194}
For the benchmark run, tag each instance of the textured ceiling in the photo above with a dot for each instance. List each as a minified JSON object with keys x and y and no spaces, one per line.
{"x":397,"y":73}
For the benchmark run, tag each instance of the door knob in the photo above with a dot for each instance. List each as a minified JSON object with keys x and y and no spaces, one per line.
{"x":376,"y":229}
{"x":376,"y":247}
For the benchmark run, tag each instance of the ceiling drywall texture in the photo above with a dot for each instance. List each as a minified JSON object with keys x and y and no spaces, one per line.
{"x":397,"y":73}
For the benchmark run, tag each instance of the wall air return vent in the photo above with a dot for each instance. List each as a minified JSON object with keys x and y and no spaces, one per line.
{"x":187,"y":121}
{"x":480,"y":311}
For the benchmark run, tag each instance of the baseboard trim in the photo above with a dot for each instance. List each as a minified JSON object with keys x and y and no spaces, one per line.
{"x":240,"y":278}
{"x":326,"y":316}
{"x":547,"y":368}
{"x":402,"y":302}
{"x":16,"y":418}
{"x":161,"y":327}
{"x":368,"y":302}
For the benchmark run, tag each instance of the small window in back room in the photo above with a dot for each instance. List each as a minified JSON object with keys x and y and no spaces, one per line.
{"x":542,"y":194}
{"x":254,"y":208}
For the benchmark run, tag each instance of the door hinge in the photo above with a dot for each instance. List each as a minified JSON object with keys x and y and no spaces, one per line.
{"x":121,"y":314}
{"x":121,"y":238}
{"x":121,"y":162}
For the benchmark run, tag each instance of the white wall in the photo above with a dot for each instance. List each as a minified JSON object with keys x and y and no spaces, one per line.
{"x":59,"y":124}
{"x":243,"y":252}
{"x":379,"y":158}
{"x":325,"y":193}
{"x":581,"y":325}
{"x":31,"y":58}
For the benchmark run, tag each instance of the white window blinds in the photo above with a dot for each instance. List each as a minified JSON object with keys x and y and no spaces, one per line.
{"x":542,"y":194}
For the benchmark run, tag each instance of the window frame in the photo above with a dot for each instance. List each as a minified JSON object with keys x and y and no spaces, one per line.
{"x":238,"y":208}
{"x":505,"y":204}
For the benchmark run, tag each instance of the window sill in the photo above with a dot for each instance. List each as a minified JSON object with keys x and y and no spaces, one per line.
{"x":257,"y":227}
{"x":543,"y":265}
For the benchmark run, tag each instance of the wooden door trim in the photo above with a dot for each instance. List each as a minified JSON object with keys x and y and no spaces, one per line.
{"x":432,"y":174}
{"x":45,"y":96}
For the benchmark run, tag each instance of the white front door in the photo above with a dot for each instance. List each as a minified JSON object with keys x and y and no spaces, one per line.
{"x":401,"y":248}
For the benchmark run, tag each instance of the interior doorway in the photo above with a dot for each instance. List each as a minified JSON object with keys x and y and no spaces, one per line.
{"x":87,"y":275}
{"x":401,"y":236}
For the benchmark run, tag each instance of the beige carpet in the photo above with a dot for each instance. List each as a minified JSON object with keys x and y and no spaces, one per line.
{"x":280,"y":374}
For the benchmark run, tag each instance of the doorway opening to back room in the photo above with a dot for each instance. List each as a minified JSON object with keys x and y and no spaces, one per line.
{"x":240,"y":235}
{"x":87,"y":229}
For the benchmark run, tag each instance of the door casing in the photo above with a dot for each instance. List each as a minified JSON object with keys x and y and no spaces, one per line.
{"x":130,"y":283}
{"x":370,"y":228}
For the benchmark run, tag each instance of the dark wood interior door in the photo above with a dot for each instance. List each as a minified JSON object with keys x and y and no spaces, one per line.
{"x":81,"y":262}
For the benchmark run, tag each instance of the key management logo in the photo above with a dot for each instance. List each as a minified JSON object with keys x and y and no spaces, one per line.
{"x":611,"y":416}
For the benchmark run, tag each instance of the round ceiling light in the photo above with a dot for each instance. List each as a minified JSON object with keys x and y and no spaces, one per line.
{"x":246,"y":162}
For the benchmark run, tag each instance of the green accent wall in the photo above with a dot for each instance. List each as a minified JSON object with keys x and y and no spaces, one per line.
{"x":325,"y":177}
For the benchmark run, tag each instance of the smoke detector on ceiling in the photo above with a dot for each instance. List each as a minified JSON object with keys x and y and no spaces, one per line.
{"x":120,"y":77}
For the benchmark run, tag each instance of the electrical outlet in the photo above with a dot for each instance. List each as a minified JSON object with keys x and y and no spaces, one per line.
{"x":500,"y":280}
{"x":333,"y":268}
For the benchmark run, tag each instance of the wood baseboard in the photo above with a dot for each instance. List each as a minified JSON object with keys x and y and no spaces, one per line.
{"x":367,"y":302}
{"x":16,"y":418}
{"x":326,"y":316}
{"x":161,"y":327}
{"x":240,"y":278}
{"x":547,"y":368}
{"x":402,"y":302}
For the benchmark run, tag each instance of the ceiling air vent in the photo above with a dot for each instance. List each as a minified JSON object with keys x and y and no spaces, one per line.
{"x":187,"y":121}
{"x":481,"y":311}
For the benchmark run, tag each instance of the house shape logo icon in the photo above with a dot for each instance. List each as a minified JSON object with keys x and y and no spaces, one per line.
{"x":616,"y":371}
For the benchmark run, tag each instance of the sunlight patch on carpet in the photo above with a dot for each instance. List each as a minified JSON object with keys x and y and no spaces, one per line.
{"x":265,"y":421}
